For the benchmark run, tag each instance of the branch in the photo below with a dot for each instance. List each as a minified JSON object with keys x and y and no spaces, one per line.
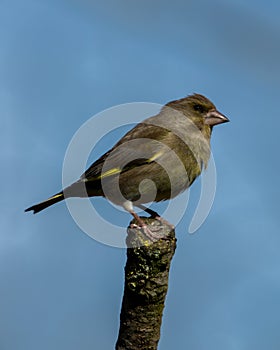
{"x":146,"y":283}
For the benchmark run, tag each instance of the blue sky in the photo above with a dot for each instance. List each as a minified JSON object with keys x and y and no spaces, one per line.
{"x":61,"y":62}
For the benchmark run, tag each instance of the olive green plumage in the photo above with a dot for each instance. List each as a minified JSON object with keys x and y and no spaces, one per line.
{"x":170,"y":149}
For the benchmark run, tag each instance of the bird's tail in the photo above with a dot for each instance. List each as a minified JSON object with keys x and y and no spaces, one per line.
{"x":48,"y":202}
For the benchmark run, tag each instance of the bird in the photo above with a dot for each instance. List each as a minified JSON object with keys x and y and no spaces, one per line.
{"x":155,"y":161}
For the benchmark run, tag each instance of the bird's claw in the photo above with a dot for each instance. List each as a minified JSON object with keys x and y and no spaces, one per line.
{"x":165,"y":222}
{"x":152,"y":235}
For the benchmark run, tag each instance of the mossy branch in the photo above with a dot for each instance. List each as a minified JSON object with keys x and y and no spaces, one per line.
{"x":146,"y":284}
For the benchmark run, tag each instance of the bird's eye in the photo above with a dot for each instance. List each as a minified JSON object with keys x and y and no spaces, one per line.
{"x":198,"y":108}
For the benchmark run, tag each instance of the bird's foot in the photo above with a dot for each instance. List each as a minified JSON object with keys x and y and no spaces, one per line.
{"x":151,"y":234}
{"x":165,"y":222}
{"x":153,"y":214}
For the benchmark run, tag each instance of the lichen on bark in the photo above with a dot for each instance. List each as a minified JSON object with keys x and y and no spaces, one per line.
{"x":146,"y":284}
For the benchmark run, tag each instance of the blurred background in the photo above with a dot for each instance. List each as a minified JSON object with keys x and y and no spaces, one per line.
{"x":61,"y":62}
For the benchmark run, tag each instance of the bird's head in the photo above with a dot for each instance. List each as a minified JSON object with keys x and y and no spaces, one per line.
{"x":200,"y":110}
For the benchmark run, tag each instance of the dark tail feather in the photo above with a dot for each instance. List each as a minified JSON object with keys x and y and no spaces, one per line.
{"x":43,"y":205}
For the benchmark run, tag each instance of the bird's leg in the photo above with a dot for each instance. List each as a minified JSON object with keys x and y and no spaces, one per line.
{"x":156,"y":216}
{"x":152,"y":235}
{"x":153,"y":213}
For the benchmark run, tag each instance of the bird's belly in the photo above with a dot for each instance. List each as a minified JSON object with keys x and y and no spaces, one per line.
{"x":159,"y":186}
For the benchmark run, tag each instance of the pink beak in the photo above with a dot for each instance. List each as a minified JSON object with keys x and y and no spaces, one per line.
{"x":214,"y":118}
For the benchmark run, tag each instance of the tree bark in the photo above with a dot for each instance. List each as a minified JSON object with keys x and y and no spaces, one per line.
{"x":146,"y":283}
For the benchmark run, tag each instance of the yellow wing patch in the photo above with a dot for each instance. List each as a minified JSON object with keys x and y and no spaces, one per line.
{"x":154,"y":157}
{"x":110,"y":172}
{"x":115,"y":171}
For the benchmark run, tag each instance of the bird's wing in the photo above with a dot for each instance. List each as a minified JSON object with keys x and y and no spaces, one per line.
{"x":130,"y":152}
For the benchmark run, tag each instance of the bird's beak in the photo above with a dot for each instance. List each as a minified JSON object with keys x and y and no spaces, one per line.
{"x":214,"y":118}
